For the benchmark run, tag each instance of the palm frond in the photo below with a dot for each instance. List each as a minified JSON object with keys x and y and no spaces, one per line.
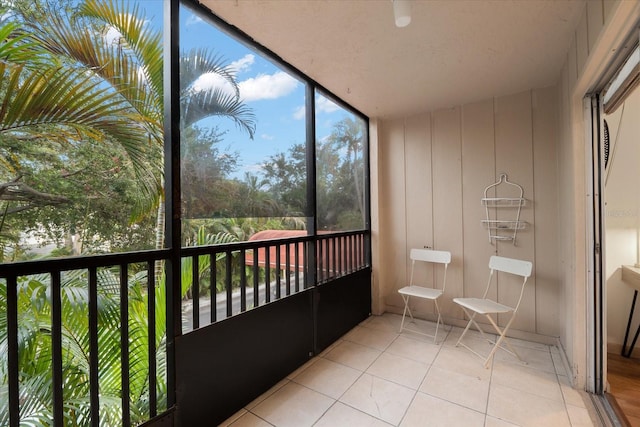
{"x":66,"y":105}
{"x":141,"y":38}
{"x":200,"y":61}
{"x":13,"y":46}
{"x":82,"y":48}
{"x":217,"y":102}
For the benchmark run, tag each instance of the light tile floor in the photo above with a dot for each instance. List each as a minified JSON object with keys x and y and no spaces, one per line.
{"x":375,"y":376}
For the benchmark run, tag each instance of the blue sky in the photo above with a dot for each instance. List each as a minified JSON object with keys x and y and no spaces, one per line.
{"x":276,"y":98}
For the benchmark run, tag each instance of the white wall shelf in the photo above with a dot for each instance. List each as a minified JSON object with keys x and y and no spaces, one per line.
{"x":504,"y":229}
{"x":504,"y":202}
{"x":497,"y":224}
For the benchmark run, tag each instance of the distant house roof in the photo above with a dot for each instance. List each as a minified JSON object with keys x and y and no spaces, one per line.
{"x":328,"y":261}
{"x":278,"y":234}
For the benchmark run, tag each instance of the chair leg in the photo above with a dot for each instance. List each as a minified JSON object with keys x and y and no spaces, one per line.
{"x":438,"y":321}
{"x":472,"y":320}
{"x":460,"y":343}
{"x":495,"y":344}
{"x":404,"y":313}
{"x":502,"y":338}
{"x":468,"y":325}
{"x":408,"y":310}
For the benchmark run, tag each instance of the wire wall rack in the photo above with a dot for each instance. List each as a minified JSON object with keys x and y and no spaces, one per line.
{"x":504,"y":229}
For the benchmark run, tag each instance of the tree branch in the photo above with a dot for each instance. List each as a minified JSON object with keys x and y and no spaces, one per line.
{"x":16,"y":191}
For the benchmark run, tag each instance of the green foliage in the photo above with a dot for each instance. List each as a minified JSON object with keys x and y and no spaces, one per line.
{"x":204,"y":167}
{"x":286,"y":176}
{"x":82,"y":91}
{"x":100,"y":185}
{"x":339,"y":179}
{"x":35,"y":348}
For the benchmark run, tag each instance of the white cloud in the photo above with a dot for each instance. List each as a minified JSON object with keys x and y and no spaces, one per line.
{"x":300,"y":112}
{"x":324,"y":105}
{"x":267,"y":137}
{"x":255,"y":168}
{"x":243,"y":64}
{"x":193,"y":20}
{"x":112,"y":36}
{"x":267,"y":86}
{"x":213,"y":81}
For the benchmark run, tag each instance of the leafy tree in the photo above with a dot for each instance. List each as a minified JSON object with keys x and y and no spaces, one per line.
{"x":253,"y":200}
{"x":286,"y":176}
{"x":203,"y":167}
{"x":130,"y":69}
{"x":348,"y":134}
{"x":53,"y":109}
{"x":96,"y":216}
{"x":339,"y":178}
{"x":72,"y":89}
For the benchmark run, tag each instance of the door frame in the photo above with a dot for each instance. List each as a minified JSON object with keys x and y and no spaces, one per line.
{"x":607,"y":60}
{"x":596,"y":306}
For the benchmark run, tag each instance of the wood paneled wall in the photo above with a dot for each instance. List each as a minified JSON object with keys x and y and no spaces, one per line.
{"x":432,"y":171}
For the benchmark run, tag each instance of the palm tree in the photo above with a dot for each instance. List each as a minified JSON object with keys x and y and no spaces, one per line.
{"x":131,"y":66}
{"x":348,"y":134}
{"x":44,"y":100}
{"x":84,"y":87}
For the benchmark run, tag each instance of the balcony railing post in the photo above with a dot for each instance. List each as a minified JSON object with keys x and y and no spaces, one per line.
{"x":195,"y":290}
{"x":213,"y":285}
{"x":12,"y":347}
{"x":151,"y":338}
{"x":56,"y":349}
{"x":124,"y":343}
{"x":227,"y":281}
{"x":243,"y":282}
{"x":94,"y":375}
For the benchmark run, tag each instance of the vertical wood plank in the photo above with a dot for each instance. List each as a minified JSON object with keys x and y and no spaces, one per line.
{"x":377,"y":246}
{"x":393,"y":214}
{"x":419,"y":203}
{"x":514,"y":156}
{"x":608,"y":6}
{"x":418,"y":175}
{"x":478,"y":172}
{"x":572,"y":65}
{"x":447,"y":200}
{"x":595,"y":21}
{"x":582,"y":41}
{"x":545,"y":161}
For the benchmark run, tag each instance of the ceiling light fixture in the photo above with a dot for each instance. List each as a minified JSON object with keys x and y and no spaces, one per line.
{"x":402,"y":12}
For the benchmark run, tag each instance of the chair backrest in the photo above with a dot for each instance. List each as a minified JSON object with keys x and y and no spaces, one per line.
{"x":432,"y":256}
{"x":513,"y":266}
{"x":510,"y":265}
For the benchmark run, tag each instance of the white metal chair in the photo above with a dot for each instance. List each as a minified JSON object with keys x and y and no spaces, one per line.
{"x":487,"y":307}
{"x":430,"y":293}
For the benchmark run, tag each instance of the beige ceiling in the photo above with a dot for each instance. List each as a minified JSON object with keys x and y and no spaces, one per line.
{"x":453,"y":52}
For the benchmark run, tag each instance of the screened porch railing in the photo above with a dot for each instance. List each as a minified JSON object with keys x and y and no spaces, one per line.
{"x":244,"y":276}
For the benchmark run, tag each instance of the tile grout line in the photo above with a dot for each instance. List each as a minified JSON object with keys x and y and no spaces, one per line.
{"x":356,"y":380}
{"x":440,"y":346}
{"x":564,"y":400}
